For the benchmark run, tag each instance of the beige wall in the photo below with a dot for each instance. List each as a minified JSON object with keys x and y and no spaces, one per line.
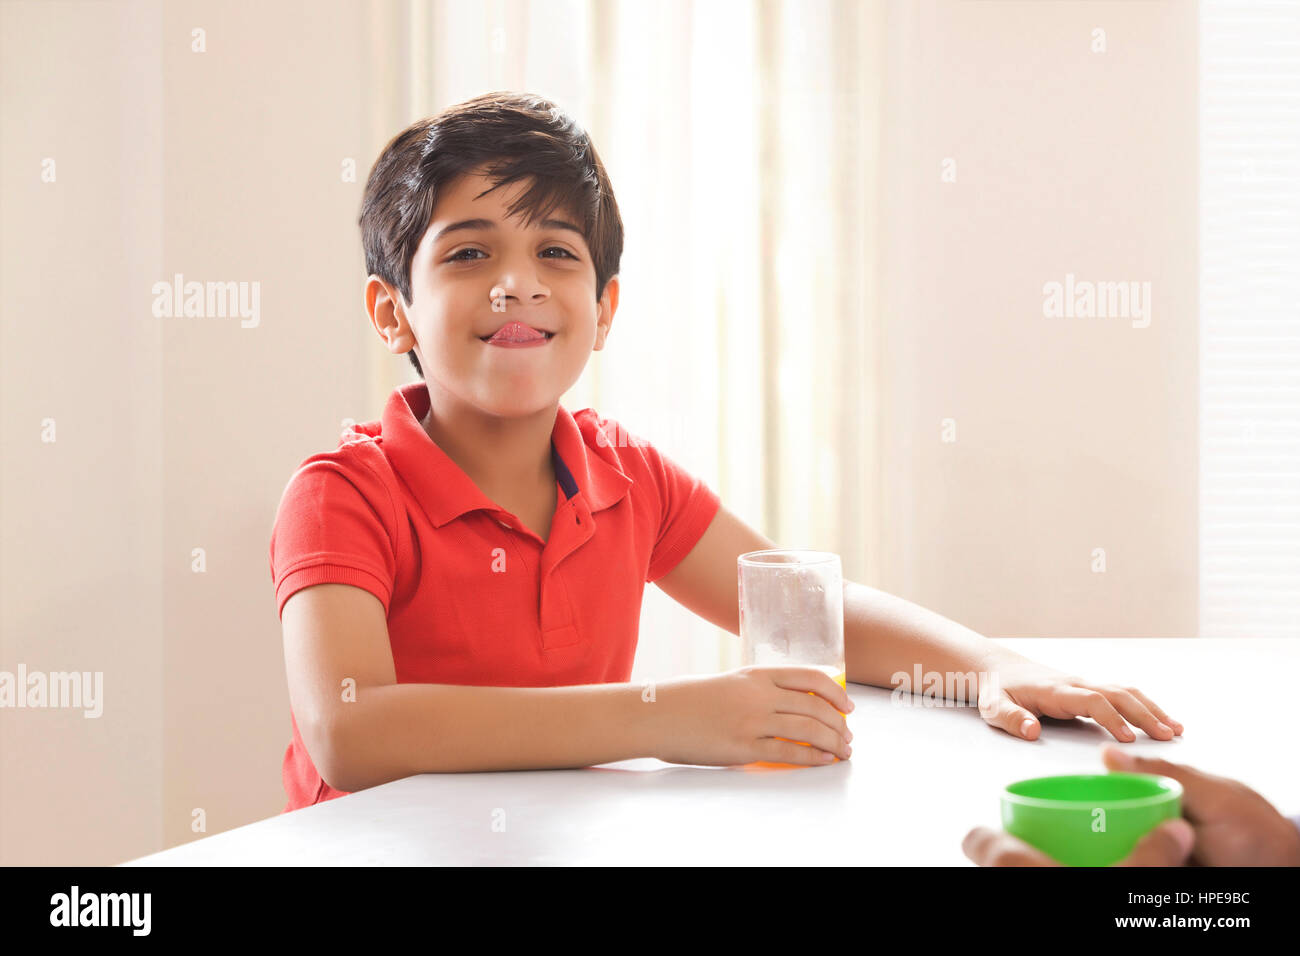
{"x":171,"y":433}
{"x":1071,"y":434}
{"x":80,"y":563}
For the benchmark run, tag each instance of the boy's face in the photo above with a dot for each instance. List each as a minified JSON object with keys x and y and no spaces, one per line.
{"x":468,"y":282}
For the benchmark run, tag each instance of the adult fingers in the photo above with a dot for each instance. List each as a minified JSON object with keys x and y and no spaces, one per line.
{"x":986,"y":847}
{"x":1167,"y":845}
{"x":1200,"y":790}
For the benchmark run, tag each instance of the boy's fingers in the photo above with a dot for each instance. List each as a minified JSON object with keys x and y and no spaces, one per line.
{"x":812,"y":681}
{"x":986,"y":847}
{"x":807,"y":730}
{"x":1155,"y":709}
{"x":815,"y":707}
{"x":1001,"y":711}
{"x":1138,"y":713}
{"x":784,"y":750}
{"x":1086,"y":702}
{"x":1167,"y":845}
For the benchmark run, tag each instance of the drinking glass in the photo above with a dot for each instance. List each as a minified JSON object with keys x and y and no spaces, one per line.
{"x":792,"y":612}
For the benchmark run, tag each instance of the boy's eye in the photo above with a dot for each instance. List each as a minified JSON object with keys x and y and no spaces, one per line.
{"x":458,"y":256}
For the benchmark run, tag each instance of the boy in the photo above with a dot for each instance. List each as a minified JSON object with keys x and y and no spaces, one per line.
{"x":460,"y":582}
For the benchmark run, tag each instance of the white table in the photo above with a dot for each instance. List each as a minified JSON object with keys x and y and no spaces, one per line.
{"x":919,"y":779}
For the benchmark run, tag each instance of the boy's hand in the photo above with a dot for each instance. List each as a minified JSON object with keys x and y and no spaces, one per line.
{"x":1021,"y":691}
{"x":1224,"y":823}
{"x":736,"y":717}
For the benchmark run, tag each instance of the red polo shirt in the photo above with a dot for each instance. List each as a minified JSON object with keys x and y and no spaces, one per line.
{"x":471,"y":595}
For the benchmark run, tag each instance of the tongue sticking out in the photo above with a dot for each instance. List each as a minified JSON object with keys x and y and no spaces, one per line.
{"x":516,"y":332}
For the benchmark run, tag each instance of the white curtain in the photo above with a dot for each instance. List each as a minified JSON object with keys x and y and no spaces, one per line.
{"x":741,"y":141}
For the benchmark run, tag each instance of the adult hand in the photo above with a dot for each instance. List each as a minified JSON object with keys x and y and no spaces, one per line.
{"x":1167,"y":845}
{"x":1224,"y":823}
{"x":1234,"y":825}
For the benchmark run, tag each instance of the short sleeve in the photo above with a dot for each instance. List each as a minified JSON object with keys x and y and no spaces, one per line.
{"x":334,"y":525}
{"x":687,"y":506}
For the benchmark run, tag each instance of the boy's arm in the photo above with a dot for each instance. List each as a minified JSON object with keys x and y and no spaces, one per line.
{"x":335,"y":631}
{"x":882,"y":634}
{"x":886,"y":635}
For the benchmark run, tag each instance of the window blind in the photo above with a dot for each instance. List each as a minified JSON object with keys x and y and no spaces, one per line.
{"x":1250,"y":319}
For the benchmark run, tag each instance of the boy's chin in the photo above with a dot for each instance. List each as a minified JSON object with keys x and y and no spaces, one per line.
{"x":518,"y":406}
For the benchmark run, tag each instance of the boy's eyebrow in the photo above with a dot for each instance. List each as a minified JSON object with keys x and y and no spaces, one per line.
{"x":490,"y":225}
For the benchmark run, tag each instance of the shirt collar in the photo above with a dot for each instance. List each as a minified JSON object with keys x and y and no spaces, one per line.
{"x":445,"y":492}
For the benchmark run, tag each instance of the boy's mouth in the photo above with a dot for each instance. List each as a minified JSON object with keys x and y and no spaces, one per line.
{"x":517,"y":333}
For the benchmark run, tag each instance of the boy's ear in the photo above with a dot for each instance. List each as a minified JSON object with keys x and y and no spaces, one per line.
{"x":605,"y":312}
{"x":388,"y":316}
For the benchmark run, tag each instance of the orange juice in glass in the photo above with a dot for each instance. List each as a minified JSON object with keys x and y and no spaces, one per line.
{"x":792,"y":612}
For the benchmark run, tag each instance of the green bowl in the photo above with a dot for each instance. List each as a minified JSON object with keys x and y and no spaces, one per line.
{"x":1089,"y":819}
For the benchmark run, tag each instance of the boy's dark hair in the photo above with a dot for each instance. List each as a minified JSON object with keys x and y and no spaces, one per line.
{"x":518,"y":135}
